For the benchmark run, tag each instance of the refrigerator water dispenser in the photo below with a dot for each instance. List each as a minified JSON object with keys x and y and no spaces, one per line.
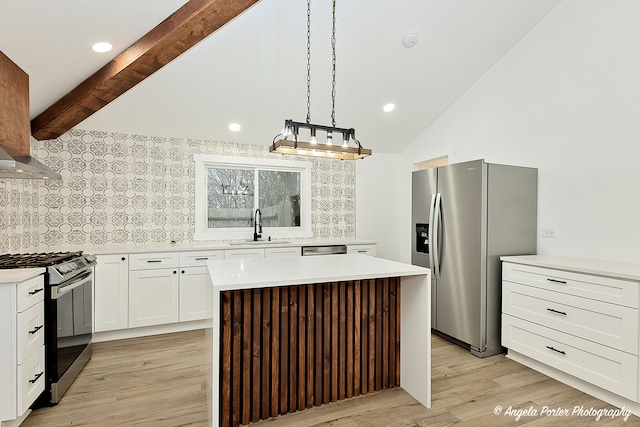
{"x":422,"y":238}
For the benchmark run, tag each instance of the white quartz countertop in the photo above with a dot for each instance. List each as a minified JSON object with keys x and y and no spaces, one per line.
{"x":582,"y":265}
{"x":16,"y":275}
{"x":246,"y":273}
{"x":221,"y":245}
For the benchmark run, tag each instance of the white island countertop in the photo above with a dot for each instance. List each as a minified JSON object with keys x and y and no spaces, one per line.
{"x":415,"y":304}
{"x":247,"y":273}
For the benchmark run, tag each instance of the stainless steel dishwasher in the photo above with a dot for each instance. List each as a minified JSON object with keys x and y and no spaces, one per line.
{"x":324,"y":250}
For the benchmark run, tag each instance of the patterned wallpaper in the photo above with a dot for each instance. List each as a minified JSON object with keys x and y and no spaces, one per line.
{"x":112,"y":184}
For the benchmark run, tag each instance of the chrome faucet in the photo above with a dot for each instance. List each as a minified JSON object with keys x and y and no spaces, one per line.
{"x":257,"y":225}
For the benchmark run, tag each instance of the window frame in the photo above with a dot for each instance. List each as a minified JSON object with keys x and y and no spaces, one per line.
{"x":205,"y":161}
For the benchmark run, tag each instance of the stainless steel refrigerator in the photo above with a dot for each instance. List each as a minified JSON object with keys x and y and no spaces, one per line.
{"x":465,"y":216}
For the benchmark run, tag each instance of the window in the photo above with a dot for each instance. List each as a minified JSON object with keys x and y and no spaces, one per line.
{"x":230,"y":189}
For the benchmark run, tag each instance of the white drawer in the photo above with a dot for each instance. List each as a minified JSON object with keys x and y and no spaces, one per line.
{"x":30,"y":292}
{"x":30,"y":331}
{"x":602,"y":366}
{"x":362,"y":249}
{"x":244,"y":253}
{"x":30,"y":380}
{"x":608,"y":324}
{"x":616,"y":291}
{"x":199,"y":258}
{"x":154,"y":260}
{"x":271,"y":252}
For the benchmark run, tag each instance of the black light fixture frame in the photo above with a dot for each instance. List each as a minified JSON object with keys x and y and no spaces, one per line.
{"x":294,"y":146}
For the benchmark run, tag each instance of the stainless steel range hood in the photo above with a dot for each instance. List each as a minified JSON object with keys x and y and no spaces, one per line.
{"x":14,"y":164}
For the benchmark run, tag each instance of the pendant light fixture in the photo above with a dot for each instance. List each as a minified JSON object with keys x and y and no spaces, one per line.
{"x":287,"y":141}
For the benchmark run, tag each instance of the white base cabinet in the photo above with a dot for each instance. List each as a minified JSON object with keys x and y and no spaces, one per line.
{"x":22,"y":334}
{"x":153,"y":297}
{"x":196,"y":294}
{"x":577,"y":321}
{"x":163,"y":290}
{"x":111,"y":293}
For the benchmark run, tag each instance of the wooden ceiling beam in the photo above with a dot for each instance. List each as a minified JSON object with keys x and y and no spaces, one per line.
{"x":190,"y":24}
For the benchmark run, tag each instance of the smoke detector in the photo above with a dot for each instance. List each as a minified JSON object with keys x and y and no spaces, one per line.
{"x":410,"y":40}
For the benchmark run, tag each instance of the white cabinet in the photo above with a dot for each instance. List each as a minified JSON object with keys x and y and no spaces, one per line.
{"x":362,"y":249}
{"x":111,"y":293}
{"x":583,"y":326}
{"x":22,"y":334}
{"x":196,"y":294}
{"x":170,"y":287}
{"x":196,"y":289}
{"x":135,"y":290}
{"x":153,"y":297}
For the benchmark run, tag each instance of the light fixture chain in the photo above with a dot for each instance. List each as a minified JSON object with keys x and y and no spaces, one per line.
{"x":333,"y":70}
{"x":308,"y":61}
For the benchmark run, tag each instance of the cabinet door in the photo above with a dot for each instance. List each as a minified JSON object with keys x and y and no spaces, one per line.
{"x":196,"y":294}
{"x":111,"y":307}
{"x":153,"y":297}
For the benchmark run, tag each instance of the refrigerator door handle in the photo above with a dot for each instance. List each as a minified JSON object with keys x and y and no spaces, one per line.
{"x":432,"y":210}
{"x":435,"y":237}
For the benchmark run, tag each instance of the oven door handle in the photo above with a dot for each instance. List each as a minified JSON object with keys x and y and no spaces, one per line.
{"x":57,"y":291}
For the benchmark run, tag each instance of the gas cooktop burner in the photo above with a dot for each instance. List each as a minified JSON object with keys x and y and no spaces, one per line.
{"x":43,"y":259}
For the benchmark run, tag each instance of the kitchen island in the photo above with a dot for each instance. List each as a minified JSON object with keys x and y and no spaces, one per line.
{"x":291,"y":333}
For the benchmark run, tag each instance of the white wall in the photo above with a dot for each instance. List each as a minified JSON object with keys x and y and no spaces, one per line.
{"x":381,"y":211}
{"x":566,"y":100}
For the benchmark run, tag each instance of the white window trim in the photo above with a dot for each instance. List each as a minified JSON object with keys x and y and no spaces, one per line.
{"x":203,"y":161}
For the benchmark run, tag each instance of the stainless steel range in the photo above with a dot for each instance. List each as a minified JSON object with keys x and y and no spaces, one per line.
{"x":67,"y":312}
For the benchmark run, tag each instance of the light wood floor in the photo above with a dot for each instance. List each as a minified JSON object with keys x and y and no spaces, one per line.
{"x":160,"y":381}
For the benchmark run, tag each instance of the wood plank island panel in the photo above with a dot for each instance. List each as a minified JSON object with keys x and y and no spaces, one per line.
{"x":289,"y":348}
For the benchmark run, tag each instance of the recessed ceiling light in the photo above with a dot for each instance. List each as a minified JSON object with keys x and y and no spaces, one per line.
{"x":234,"y":127}
{"x":102,"y":47}
{"x":389,"y":107}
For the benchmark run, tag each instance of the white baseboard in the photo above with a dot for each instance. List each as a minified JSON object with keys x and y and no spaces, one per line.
{"x":150,"y":330}
{"x":16,"y":422}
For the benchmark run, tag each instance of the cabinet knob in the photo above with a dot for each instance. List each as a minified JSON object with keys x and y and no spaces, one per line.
{"x":175,"y":272}
{"x":123,"y":258}
{"x":182,"y":271}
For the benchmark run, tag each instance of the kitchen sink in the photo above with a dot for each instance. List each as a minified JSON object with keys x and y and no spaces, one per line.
{"x":260,"y":242}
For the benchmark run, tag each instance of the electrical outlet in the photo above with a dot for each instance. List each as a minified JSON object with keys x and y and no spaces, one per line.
{"x":149,"y":226}
{"x":548,"y":232}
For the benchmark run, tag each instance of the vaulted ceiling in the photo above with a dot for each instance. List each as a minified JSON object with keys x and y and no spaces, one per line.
{"x":252,"y":71}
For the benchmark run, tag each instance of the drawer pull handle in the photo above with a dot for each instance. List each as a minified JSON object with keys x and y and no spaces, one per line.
{"x":557,"y":281}
{"x":36,"y":378}
{"x":557,"y":351}
{"x":36,"y":329}
{"x":556,"y":311}
{"x":35,"y":291}
{"x":154,"y":260}
{"x":202,"y":259}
